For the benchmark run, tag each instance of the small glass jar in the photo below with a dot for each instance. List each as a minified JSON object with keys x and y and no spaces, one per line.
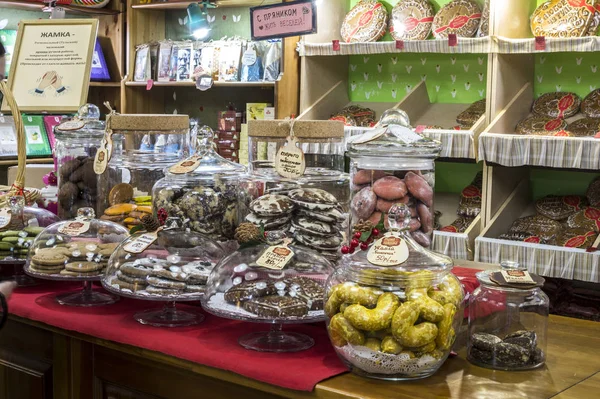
{"x":151,"y":143}
{"x":321,"y":141}
{"x":394,"y":309}
{"x":507,"y":325}
{"x":392,"y":165}
{"x":205,"y":198}
{"x":313,"y":209}
{"x":76,"y":144}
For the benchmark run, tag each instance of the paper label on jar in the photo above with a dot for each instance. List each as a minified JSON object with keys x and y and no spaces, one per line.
{"x":289,"y":161}
{"x":74,"y":124}
{"x":275,"y":257}
{"x":249,"y":57}
{"x":187,"y":165}
{"x":74,"y":228}
{"x":369,"y":136}
{"x":404,"y":134}
{"x":4,"y":217}
{"x":141,"y":243}
{"x":517,"y":277}
{"x":389,"y":250}
{"x":103,"y":154}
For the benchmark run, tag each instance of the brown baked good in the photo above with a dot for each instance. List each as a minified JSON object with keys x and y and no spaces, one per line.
{"x":527,"y":237}
{"x":540,"y":125}
{"x":560,"y":207}
{"x":411,"y":20}
{"x":460,"y":17}
{"x":593,"y":29}
{"x":576,"y":238}
{"x":590,"y":105}
{"x":593,"y":192}
{"x":540,"y":226}
{"x":470,"y":198}
{"x":563,"y":18}
{"x":460,"y":225}
{"x":471,"y":115}
{"x":588,"y":218}
{"x":557,"y":105}
{"x":366,"y":22}
{"x":364,"y":117}
{"x":484,"y":24}
{"x":344,"y":117}
{"x":584,"y":127}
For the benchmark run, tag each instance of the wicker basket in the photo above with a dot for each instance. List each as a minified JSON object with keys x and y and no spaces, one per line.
{"x":18,"y":187}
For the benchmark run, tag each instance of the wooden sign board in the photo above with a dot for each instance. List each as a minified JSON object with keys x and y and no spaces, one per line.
{"x":50,"y":69}
{"x":283,"y":20}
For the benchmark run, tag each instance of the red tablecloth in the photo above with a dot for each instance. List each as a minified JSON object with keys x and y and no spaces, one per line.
{"x":212,"y":343}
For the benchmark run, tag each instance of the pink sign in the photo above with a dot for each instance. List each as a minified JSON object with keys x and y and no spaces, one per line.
{"x":282,"y":20}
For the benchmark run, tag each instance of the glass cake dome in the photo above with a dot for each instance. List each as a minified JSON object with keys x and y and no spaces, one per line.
{"x":76,"y":250}
{"x":280,"y":284}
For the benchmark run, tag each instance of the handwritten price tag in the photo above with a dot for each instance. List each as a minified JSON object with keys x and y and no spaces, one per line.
{"x":141,"y":243}
{"x":275,"y":257}
{"x":389,"y":250}
{"x":4,"y":217}
{"x":74,"y":228}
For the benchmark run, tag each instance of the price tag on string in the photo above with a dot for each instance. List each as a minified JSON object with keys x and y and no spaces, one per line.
{"x":275,"y":257}
{"x":141,"y":243}
{"x":74,"y":228}
{"x":4,"y":217}
{"x":389,"y":250}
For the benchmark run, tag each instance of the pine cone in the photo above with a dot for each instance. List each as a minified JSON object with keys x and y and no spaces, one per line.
{"x":150,"y":223}
{"x":363,"y":225}
{"x":247,"y":232}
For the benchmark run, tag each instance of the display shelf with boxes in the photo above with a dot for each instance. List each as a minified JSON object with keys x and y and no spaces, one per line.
{"x":547,"y":105}
{"x":532,"y":26}
{"x":164,"y":57}
{"x":548,"y":224}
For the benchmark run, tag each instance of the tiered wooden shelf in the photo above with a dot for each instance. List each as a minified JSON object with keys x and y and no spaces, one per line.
{"x":182,"y":5}
{"x":193,"y":84}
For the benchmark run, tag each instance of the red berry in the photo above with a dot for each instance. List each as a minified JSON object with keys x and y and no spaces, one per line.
{"x":357,"y":235}
{"x":345,"y":249}
{"x":354,"y":243}
{"x":364,"y":246}
{"x":265,"y":234}
{"x":375,"y":232}
{"x":351,"y":250}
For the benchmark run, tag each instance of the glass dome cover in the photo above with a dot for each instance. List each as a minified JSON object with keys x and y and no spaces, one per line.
{"x":86,"y":124}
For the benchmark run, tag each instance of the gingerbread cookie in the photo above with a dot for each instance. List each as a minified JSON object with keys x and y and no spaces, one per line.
{"x":560,"y":207}
{"x":165,"y":283}
{"x":459,"y":17}
{"x":133,"y":269}
{"x":411,"y":20}
{"x":471,"y":115}
{"x":563,"y":18}
{"x":162,"y":291}
{"x":559,"y":105}
{"x":541,"y":125}
{"x":590,"y":105}
{"x":50,"y":258}
{"x":366,"y":22}
{"x":584,"y":127}
{"x":84,"y":267}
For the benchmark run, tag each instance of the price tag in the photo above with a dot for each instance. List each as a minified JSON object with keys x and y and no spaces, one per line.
{"x":420,"y":128}
{"x":187,"y":165}
{"x":249,"y":57}
{"x":74,"y":228}
{"x":74,"y":124}
{"x":103,"y":154}
{"x":369,"y":136}
{"x":540,"y":43}
{"x":289,"y":161}
{"x":399,"y":44}
{"x":149,"y":84}
{"x":452,"y":40}
{"x":204,"y":82}
{"x":142,"y":242}
{"x":275,"y":257}
{"x":336,"y":45}
{"x":4,"y":217}
{"x":389,"y":250}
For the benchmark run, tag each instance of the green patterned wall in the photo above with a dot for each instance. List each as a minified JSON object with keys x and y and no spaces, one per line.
{"x":575,"y":72}
{"x":230,"y":22}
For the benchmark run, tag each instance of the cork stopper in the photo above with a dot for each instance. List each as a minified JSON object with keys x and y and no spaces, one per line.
{"x":149,"y":122}
{"x":302,"y":129}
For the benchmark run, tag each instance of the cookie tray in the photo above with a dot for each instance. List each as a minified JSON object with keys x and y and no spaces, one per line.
{"x":498,"y":145}
{"x":545,"y":260}
{"x":455,"y":245}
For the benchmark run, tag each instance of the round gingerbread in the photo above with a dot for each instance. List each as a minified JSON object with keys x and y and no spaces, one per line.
{"x":411,"y":20}
{"x":557,"y":105}
{"x":460,"y":17}
{"x":561,"y":18}
{"x":585,"y":127}
{"x":591,"y":104}
{"x":541,"y":125}
{"x":366,"y":22}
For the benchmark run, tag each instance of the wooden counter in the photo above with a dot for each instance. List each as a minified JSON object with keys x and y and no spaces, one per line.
{"x":41,"y":362}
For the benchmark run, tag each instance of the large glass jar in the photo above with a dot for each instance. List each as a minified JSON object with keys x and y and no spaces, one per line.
{"x":76,"y":144}
{"x":313,"y":209}
{"x":390,"y":165}
{"x":321,"y":141}
{"x":394,"y":309}
{"x":151,"y":143}
{"x":203,"y":192}
{"x":507,"y":325}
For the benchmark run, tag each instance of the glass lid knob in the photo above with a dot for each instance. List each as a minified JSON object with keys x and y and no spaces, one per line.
{"x":399,"y":217}
{"x":204,"y":138}
{"x":86,"y":213}
{"x":510,"y":265}
{"x":394,"y":117}
{"x":89,"y":112}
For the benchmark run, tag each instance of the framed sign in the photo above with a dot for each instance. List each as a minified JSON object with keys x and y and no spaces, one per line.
{"x":282,"y":20}
{"x":50,"y":68}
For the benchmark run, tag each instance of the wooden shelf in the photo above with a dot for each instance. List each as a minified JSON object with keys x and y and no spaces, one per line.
{"x":14,"y":161}
{"x":182,"y":5}
{"x":505,"y":45}
{"x":193,"y":84}
{"x":105,"y":84}
{"x":70,"y":9}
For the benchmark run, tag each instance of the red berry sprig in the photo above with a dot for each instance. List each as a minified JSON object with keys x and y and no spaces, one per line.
{"x":356,"y":241}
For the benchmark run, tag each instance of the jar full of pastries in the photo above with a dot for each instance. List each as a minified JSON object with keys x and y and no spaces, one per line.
{"x":77,"y":142}
{"x":508,"y":319}
{"x":388,"y":165}
{"x":151,"y":143}
{"x":394,"y":308}
{"x":202,"y":191}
